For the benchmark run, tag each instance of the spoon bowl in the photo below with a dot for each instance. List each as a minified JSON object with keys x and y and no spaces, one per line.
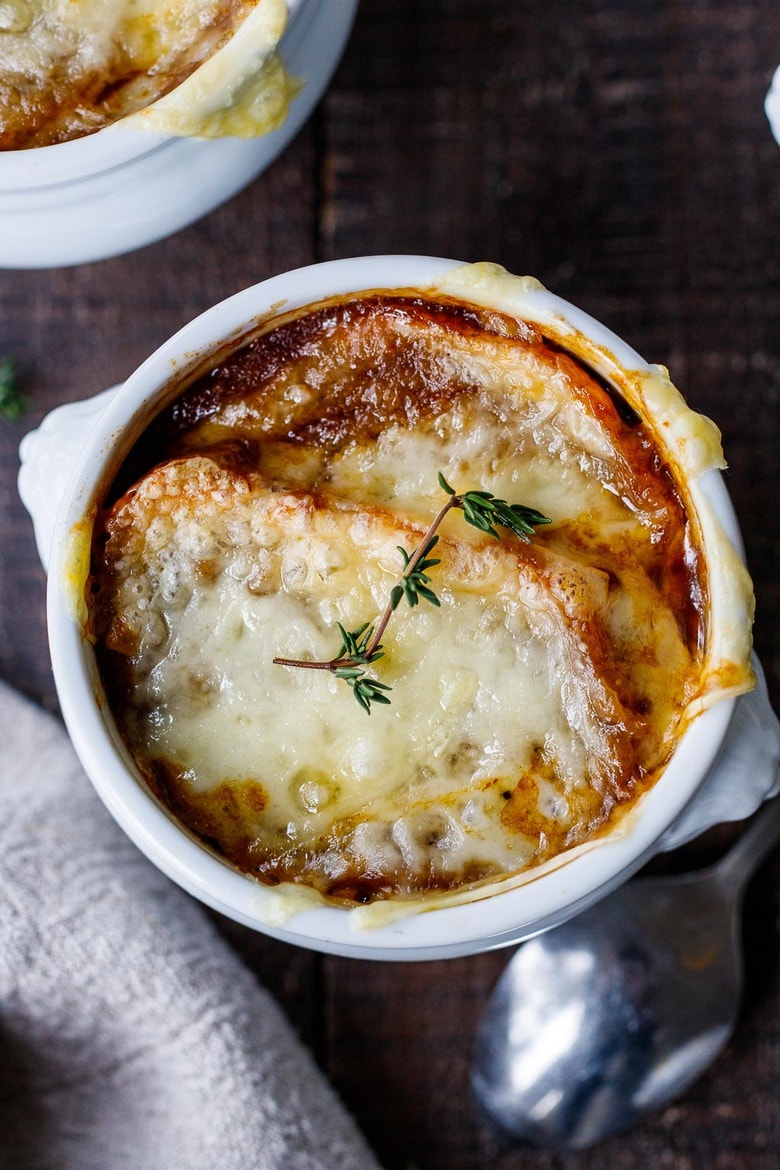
{"x":614,"y":1014}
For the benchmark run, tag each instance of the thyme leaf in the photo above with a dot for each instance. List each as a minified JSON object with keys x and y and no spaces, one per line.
{"x":12,"y":403}
{"x":414,"y":582}
{"x":367,"y":691}
{"x":355,"y":644}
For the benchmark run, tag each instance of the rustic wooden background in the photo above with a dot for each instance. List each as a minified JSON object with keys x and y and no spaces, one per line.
{"x":619,"y":151}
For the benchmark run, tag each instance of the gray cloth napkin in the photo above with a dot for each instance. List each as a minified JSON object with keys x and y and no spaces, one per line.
{"x":131,"y":1037}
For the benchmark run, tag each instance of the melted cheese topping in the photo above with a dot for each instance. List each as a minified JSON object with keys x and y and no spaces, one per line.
{"x":68,"y":69}
{"x":544,"y":695}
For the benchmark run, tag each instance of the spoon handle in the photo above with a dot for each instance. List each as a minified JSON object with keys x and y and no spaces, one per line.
{"x":752,"y":847}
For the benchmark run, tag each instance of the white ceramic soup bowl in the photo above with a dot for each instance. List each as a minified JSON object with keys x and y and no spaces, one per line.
{"x":120,"y":188}
{"x":664,"y":817}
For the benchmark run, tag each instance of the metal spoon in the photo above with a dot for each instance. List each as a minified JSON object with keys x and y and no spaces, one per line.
{"x":614,"y":1014}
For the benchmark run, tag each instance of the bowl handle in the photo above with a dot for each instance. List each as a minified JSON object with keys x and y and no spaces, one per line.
{"x":744,"y":774}
{"x":48,"y":458}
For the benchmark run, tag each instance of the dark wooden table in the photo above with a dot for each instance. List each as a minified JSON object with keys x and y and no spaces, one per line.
{"x":618,"y":151}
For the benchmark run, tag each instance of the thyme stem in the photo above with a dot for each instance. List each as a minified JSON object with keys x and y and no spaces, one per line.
{"x":308,"y":664}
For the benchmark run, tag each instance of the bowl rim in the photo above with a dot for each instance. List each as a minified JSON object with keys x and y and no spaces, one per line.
{"x":112,"y":146}
{"x":498,"y":919}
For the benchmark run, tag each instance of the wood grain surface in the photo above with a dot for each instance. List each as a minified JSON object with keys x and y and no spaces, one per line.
{"x":618,"y":151}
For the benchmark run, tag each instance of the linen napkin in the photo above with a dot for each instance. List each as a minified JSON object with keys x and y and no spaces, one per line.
{"x":131,"y":1037}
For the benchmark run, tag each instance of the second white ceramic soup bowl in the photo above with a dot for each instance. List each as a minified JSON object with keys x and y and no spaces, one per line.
{"x":122,"y":188}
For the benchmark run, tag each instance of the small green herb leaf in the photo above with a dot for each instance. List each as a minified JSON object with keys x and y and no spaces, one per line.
{"x":368,"y":691}
{"x":12,"y":403}
{"x":356,"y":645}
{"x":396,"y":593}
{"x":484,"y":511}
{"x":414,"y":582}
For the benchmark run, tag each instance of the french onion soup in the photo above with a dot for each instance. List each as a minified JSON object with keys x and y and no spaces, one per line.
{"x":398,"y":598}
{"x":68,"y":69}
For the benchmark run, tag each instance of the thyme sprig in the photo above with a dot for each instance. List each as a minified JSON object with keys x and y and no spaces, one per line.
{"x":363,"y":646}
